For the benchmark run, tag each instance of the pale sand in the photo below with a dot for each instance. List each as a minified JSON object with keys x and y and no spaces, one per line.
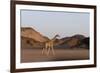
{"x":35,"y":55}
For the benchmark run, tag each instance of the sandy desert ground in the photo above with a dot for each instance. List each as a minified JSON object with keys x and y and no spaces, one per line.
{"x":35,"y":55}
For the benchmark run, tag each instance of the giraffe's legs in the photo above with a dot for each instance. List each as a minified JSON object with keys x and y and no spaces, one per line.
{"x":48,"y":48}
{"x":48,"y":51}
{"x":52,"y":50}
{"x":43,"y":50}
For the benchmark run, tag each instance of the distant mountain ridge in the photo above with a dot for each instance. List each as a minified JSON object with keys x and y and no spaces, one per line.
{"x":31,"y":38}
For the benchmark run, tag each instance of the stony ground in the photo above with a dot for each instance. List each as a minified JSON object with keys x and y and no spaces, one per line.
{"x":35,"y":55}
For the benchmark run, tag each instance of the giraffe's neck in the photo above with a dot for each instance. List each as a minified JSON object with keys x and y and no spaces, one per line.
{"x":53,"y":39}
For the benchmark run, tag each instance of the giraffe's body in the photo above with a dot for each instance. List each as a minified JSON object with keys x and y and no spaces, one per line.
{"x":49,"y":46}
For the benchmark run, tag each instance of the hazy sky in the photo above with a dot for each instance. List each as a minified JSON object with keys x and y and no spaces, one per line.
{"x":50,"y":23}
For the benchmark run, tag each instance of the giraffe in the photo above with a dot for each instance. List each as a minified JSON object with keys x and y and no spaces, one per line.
{"x":49,"y":45}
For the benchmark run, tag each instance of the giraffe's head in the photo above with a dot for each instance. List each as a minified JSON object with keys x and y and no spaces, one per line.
{"x":57,"y":35}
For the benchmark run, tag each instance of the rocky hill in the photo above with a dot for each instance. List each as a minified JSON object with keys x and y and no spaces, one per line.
{"x":75,"y":41}
{"x":33,"y":34}
{"x":30,"y":38}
